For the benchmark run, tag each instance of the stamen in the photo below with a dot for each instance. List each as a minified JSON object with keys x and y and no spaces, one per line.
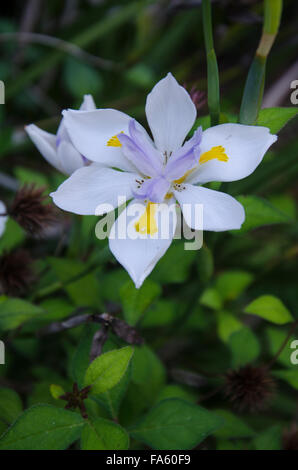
{"x":147,"y":223}
{"x":114,"y":141}
{"x":217,"y":152}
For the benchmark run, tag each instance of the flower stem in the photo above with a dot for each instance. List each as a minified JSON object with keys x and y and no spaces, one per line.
{"x":212,"y":68}
{"x":254,"y":86}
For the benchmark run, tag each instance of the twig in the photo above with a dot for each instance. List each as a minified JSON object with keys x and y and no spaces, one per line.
{"x":58,"y":43}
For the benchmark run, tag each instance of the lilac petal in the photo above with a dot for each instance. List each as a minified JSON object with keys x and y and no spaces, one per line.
{"x":185,"y":158}
{"x":153,"y":189}
{"x":142,"y":154}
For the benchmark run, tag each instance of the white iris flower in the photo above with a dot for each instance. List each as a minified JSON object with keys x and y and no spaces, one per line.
{"x":58,"y":149}
{"x":158,"y":172}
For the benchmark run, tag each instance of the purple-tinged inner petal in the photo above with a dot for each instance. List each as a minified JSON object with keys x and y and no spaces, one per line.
{"x":138,"y":149}
{"x":153,"y":189}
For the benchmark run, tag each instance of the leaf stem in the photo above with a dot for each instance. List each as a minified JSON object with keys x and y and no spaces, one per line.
{"x":212,"y":68}
{"x":254,"y":86}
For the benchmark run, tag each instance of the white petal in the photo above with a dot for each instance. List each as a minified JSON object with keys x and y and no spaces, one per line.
{"x":245,"y":147}
{"x":91,"y":130}
{"x":139,"y":256}
{"x":3,"y":219}
{"x":91,"y":186}
{"x":220,"y":211}
{"x":170,"y":113}
{"x":46,"y":144}
{"x":70,"y":159}
{"x":88,"y":103}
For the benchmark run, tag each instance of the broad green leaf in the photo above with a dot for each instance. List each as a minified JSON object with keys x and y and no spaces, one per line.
{"x":231,"y":284}
{"x":271,"y":439}
{"x":244,"y":347}
{"x":276,"y":118}
{"x":136,"y":301}
{"x":211,"y":298}
{"x":160,"y":313}
{"x":81,"y":358}
{"x":87,"y":79}
{"x":111,"y":284}
{"x":111,"y":399}
{"x":276,"y":338}
{"x":259,"y":212}
{"x":270,"y":308}
{"x":176,"y":391}
{"x":13,"y":236}
{"x":174,"y":266}
{"x":289,"y":376}
{"x":233,"y":427}
{"x":24,"y":175}
{"x":175,"y":424}
{"x":108,"y":369}
{"x":147,"y":370}
{"x":148,"y":376}
{"x":227,"y":324}
{"x":101,"y":434}
{"x":56,"y":391}
{"x":43,"y":427}
{"x":15,"y":312}
{"x":10,"y":406}
{"x":84,"y":291}
{"x":205,"y":264}
{"x":285,"y":204}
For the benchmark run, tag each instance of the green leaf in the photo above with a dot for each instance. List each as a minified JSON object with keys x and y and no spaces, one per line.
{"x":176,"y":256}
{"x":43,"y":427}
{"x":276,"y":118}
{"x":271,"y":439}
{"x":136,"y":301}
{"x":233,"y":427}
{"x":160,"y":313}
{"x":84,"y":291}
{"x":102,"y":434}
{"x":81,"y":357}
{"x":108,"y":369}
{"x":244,"y":347}
{"x":227,"y":324}
{"x":56,"y":391}
{"x":87,"y":79}
{"x":26,"y":176}
{"x":211,"y":298}
{"x":15,"y":312}
{"x":276,"y":338}
{"x":289,"y":376}
{"x":111,"y":399}
{"x":231,"y":284}
{"x":205,"y":264}
{"x":13,"y":236}
{"x":259,"y":212}
{"x":175,"y":424}
{"x":176,"y":391}
{"x":10,"y":405}
{"x":270,"y":308}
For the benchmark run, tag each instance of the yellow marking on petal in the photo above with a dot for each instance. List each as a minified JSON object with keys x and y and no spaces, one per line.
{"x":147,"y":223}
{"x":217,"y":152}
{"x":169,"y":196}
{"x":114,"y":141}
{"x":183,"y":178}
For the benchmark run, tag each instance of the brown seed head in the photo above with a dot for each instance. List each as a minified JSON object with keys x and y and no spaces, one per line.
{"x":30,"y":211}
{"x":16,"y":273}
{"x":249,"y":388}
